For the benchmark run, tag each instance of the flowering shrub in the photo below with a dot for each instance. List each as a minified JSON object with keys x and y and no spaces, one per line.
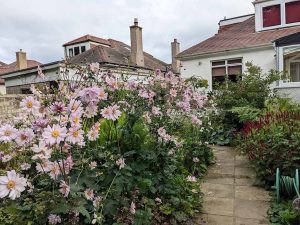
{"x":272,"y":142}
{"x":105,"y":150}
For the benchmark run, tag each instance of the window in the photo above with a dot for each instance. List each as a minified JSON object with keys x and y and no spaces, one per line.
{"x":226,"y":69}
{"x":271,"y":16}
{"x":295,"y":71}
{"x":26,"y":91}
{"x":292,"y":66}
{"x":76,"y":51}
{"x":53,"y":86}
{"x":292,"y":12}
{"x":82,"y":49}
{"x":71,"y":52}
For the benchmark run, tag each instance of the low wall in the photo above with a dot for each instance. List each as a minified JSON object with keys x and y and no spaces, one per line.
{"x":9,"y":106}
{"x":289,"y":92}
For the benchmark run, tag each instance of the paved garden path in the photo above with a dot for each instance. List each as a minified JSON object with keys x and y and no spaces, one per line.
{"x":229,"y":195}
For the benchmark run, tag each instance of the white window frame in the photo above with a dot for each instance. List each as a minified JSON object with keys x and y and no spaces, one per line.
{"x":281,"y":67}
{"x":227,"y":64}
{"x":77,"y":45}
{"x":288,"y":66}
{"x":70,"y":55}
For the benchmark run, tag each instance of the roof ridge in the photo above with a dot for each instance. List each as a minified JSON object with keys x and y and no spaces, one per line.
{"x":118,"y":53}
{"x":240,"y":35}
{"x":87,"y":37}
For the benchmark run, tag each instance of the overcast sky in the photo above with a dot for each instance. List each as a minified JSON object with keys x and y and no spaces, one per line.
{"x":40,"y":27}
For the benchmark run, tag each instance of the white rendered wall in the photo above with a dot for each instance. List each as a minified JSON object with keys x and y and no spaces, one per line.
{"x":201,"y":67}
{"x":2,"y":89}
{"x":32,"y":78}
{"x":290,"y":92}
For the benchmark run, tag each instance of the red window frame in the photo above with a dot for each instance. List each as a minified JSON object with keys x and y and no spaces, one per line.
{"x":271,"y":15}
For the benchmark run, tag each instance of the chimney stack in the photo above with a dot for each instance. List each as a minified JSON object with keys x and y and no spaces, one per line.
{"x":175,"y":48}
{"x":21,"y":60}
{"x":137,"y":54}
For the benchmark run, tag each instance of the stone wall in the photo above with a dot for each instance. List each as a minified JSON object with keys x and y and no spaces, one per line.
{"x":9,"y":106}
{"x":20,"y":89}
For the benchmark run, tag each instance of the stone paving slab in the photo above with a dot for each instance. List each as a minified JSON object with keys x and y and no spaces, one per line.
{"x":244,"y":181}
{"x":229,"y":195}
{"x":220,"y":180}
{"x":243,"y":221}
{"x":218,"y":206}
{"x":217,"y":220}
{"x":217,"y":190}
{"x":251,"y":193}
{"x":250,"y":209}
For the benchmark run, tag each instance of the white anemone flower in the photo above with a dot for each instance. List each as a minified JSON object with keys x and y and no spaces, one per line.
{"x":12,"y":185}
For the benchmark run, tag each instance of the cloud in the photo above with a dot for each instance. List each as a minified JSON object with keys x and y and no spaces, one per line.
{"x":41,"y":27}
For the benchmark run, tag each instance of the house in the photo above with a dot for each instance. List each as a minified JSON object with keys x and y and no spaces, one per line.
{"x":21,"y":64}
{"x":270,"y":38}
{"x":2,"y":83}
{"x":112,"y":55}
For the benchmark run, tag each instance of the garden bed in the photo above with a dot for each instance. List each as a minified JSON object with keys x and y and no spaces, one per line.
{"x":106,"y":150}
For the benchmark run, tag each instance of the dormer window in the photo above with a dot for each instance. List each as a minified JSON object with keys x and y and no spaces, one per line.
{"x":292,"y":12}
{"x":274,"y":14}
{"x":271,"y":16}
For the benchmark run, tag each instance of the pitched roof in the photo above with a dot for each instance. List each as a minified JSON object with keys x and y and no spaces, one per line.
{"x":241,"y":35}
{"x":118,"y":53}
{"x":87,"y":38}
{"x":2,"y":64}
{"x":13,"y":66}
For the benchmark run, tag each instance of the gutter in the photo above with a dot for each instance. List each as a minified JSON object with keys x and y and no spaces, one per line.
{"x":47,"y":66}
{"x":236,"y":50}
{"x":259,"y":1}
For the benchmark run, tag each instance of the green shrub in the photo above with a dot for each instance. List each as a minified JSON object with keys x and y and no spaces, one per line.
{"x":240,"y":101}
{"x":283,"y":214}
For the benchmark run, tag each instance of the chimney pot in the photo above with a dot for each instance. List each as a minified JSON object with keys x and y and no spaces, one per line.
{"x":136,"y":21}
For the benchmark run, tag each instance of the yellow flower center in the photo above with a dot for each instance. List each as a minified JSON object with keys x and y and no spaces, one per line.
{"x":54,"y":169}
{"x":101,"y":94}
{"x":76,"y":120}
{"x":29,"y":105}
{"x":11,"y":184}
{"x":7,"y":133}
{"x":75,"y":133}
{"x":55,"y":133}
